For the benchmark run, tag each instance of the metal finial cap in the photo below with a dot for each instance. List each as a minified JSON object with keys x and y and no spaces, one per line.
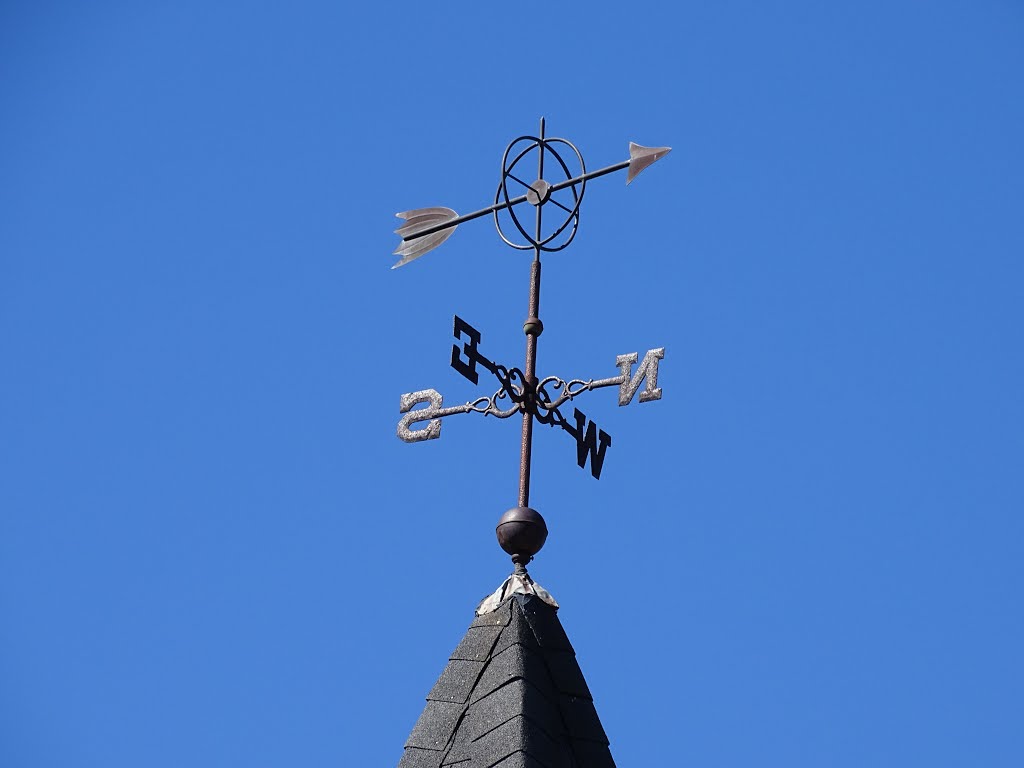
{"x":522,"y":532}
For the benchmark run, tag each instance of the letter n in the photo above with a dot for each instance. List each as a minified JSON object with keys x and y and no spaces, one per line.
{"x":648,"y":370}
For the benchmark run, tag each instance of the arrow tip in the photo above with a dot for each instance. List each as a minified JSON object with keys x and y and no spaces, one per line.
{"x":640,"y":157}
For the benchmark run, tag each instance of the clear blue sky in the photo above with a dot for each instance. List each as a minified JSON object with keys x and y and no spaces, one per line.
{"x":215,"y":552}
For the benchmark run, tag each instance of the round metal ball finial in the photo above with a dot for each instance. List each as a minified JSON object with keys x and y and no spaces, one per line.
{"x":521,"y":532}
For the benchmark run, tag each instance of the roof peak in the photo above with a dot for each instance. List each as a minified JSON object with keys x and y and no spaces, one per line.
{"x":512,"y":695}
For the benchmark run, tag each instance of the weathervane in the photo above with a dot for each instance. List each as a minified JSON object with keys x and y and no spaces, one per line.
{"x":522,"y":531}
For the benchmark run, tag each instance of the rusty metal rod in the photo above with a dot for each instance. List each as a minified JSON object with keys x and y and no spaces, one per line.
{"x":525,"y":456}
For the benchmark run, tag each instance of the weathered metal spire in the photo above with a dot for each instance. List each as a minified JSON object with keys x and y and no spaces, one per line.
{"x":522,"y":530}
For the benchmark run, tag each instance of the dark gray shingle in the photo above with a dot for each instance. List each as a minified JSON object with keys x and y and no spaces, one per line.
{"x":477,"y":644}
{"x":456,"y":682}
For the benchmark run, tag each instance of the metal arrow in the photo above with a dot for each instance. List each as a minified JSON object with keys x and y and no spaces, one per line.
{"x":426,"y":228}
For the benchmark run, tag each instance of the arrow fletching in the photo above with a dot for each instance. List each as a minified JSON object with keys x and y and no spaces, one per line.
{"x":413,"y":246}
{"x":641,"y":157}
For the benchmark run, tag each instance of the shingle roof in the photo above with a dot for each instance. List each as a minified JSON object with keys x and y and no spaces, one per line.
{"x":512,"y":696}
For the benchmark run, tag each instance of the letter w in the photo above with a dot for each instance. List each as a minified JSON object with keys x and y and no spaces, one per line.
{"x":591,"y":441}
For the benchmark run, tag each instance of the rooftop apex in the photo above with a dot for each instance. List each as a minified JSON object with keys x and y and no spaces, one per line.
{"x":512,"y":695}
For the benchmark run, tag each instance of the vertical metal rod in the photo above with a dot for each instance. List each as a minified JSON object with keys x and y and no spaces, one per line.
{"x":525,"y":456}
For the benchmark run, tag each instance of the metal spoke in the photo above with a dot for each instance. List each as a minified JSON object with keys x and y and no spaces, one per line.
{"x":567,"y":210}
{"x":516,"y":178}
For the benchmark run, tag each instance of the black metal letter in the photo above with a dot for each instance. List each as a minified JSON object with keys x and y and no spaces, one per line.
{"x":473,"y":356}
{"x":592,"y":442}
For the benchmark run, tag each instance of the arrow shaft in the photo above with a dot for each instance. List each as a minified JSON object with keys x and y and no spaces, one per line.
{"x":590,"y":175}
{"x":514,"y":201}
{"x":465,"y":217}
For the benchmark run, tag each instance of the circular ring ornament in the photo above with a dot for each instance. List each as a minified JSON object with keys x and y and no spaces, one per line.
{"x":540,"y":192}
